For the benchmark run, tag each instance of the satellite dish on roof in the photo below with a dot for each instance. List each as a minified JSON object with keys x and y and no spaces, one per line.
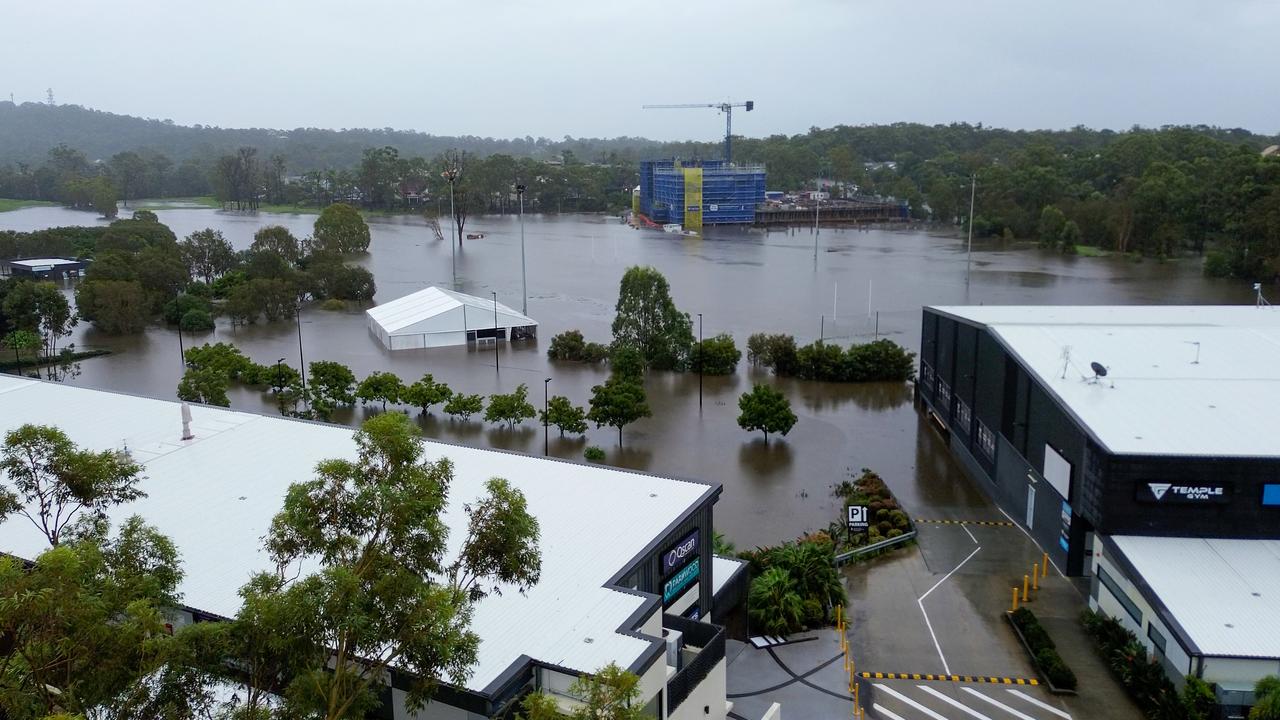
{"x":1098,"y":369}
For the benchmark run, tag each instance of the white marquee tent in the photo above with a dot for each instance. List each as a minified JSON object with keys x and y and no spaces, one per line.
{"x":436,"y":317}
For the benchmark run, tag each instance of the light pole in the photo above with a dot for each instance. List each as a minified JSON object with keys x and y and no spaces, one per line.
{"x":546,"y":419}
{"x":451,"y":174}
{"x":973,"y":188}
{"x":182,"y":353}
{"x":700,"y":353}
{"x":524,"y":284}
{"x":815,"y":222}
{"x":302,"y":363}
{"x":279,"y":386}
{"x":495,"y":330}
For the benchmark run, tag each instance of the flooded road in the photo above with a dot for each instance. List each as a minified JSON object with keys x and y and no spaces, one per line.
{"x":742,"y":281}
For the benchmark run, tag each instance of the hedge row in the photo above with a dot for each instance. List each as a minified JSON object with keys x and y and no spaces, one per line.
{"x":1042,"y":647}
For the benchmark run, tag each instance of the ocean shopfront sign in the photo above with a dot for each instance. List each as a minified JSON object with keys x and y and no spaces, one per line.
{"x":680,"y":582}
{"x":680,"y":553}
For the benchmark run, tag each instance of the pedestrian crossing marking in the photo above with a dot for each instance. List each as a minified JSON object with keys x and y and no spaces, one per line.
{"x":984,"y":679}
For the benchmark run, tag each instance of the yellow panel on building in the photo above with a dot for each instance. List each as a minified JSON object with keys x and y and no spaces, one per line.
{"x":693,"y":199}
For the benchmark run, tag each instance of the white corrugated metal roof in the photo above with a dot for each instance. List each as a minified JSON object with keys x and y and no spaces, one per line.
{"x":215,"y":497}
{"x":1198,"y":380}
{"x":1224,"y":593}
{"x":723,"y":568}
{"x":433,"y":301}
{"x":36,"y":262}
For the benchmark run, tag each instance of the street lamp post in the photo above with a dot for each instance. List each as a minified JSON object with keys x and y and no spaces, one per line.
{"x":182,"y":353}
{"x":700,"y":359}
{"x":546,"y":419}
{"x":524,"y":283}
{"x":451,"y":174}
{"x":973,"y":189}
{"x":302,"y":363}
{"x":495,"y":330}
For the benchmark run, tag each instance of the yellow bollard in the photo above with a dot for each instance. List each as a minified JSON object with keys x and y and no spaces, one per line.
{"x":1044,"y":567}
{"x":1025,"y":586}
{"x":1035,"y":576}
{"x":1015,"y":600}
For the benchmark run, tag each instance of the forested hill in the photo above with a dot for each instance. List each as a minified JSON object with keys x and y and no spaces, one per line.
{"x":29,"y":130}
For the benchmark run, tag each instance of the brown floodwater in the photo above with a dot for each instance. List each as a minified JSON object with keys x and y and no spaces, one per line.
{"x":863,"y":282}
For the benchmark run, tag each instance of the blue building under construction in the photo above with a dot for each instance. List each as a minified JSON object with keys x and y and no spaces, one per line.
{"x":707,"y":192}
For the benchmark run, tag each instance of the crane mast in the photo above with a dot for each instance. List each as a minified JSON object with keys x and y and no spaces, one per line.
{"x":724,"y":107}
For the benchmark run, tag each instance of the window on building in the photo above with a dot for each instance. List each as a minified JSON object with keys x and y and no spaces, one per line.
{"x":1120,"y":595}
{"x":1157,"y":638}
{"x":926,"y":376}
{"x":944,"y":396}
{"x":963,"y":416}
{"x":986,"y":441}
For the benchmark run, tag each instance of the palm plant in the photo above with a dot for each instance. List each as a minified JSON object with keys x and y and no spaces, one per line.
{"x":775,"y":606}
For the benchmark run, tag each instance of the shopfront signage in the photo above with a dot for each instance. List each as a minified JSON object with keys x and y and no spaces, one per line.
{"x":680,"y":582}
{"x":694,"y":612}
{"x":1271,"y":495}
{"x":1184,"y":493}
{"x":675,"y":558}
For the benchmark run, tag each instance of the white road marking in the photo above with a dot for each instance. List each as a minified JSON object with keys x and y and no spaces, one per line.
{"x":881,"y":709}
{"x":970,"y":534}
{"x":1046,"y":706}
{"x":1002,"y":706}
{"x":949,"y":701}
{"x":909,"y":701}
{"x":920,"y":602}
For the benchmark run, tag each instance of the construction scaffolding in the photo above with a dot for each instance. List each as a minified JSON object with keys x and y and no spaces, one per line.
{"x":709,"y":192}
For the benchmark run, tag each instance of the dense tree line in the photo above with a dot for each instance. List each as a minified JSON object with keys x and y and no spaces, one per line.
{"x":1156,"y":192}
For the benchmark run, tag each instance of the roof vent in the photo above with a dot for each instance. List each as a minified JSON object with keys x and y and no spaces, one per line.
{"x":186,"y":422}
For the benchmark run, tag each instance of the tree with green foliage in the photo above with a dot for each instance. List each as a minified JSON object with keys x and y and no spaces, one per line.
{"x":385,"y":595}
{"x":716,"y":355}
{"x":427,"y":392}
{"x":184,"y":303}
{"x":464,"y":406}
{"x":21,"y":341}
{"x":564,"y":415}
{"x":767,"y":410}
{"x":278,"y":240}
{"x":380,"y":386}
{"x":648,"y":321}
{"x":626,"y":362}
{"x":340,"y":229}
{"x":619,"y":402}
{"x":610,"y":693}
{"x":104,"y":198}
{"x":41,"y":308}
{"x":1266,"y":699}
{"x":510,"y":408}
{"x":206,"y":386}
{"x":811,"y":566}
{"x":84,"y":626}
{"x":116,"y":307}
{"x":51,"y":482}
{"x":208,"y":254}
{"x":570,"y":345}
{"x":777,"y":352}
{"x":1049,"y":229}
{"x":773,"y":605}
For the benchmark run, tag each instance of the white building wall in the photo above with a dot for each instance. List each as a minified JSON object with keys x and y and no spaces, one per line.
{"x":707,"y":699}
{"x":1238,"y":671}
{"x":686,"y":601}
{"x":1175,"y":657}
{"x":433,"y":711}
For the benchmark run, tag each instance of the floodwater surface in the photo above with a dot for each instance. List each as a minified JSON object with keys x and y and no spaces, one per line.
{"x":862,"y":283}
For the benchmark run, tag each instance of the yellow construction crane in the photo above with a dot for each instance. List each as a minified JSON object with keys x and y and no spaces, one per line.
{"x":724,"y":107}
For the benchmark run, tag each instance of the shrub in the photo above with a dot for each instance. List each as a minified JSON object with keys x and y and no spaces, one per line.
{"x":773,"y":605}
{"x":777,"y":352}
{"x":196,"y":320}
{"x":1217,"y":264}
{"x":1142,"y":675}
{"x":177,"y":308}
{"x":877,"y":361}
{"x":1055,"y":670}
{"x":716,"y":355}
{"x":593,"y":454}
{"x":333,"y":305}
{"x":570,"y":345}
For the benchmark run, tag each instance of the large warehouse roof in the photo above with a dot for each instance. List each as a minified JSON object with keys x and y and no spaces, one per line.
{"x":1197,"y":380}
{"x":1223,"y":593}
{"x":414,"y":308}
{"x":215,"y":496}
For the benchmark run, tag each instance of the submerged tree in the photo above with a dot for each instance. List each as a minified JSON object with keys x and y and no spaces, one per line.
{"x":619,"y":402}
{"x":564,"y":415}
{"x":427,"y":392}
{"x":648,"y":321}
{"x":510,"y":408}
{"x":767,"y":410}
{"x":380,"y":386}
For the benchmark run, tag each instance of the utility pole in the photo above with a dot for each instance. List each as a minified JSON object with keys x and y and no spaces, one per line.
{"x":182,"y":353}
{"x":700,"y":358}
{"x":524,"y":283}
{"x":302,"y":363}
{"x":546,"y":419}
{"x":973,"y":189}
{"x":451,"y":174}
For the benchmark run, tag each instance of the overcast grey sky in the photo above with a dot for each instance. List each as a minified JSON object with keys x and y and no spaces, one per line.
{"x":584,"y":67}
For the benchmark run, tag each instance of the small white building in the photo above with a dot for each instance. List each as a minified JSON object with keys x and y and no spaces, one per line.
{"x":436,"y":317}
